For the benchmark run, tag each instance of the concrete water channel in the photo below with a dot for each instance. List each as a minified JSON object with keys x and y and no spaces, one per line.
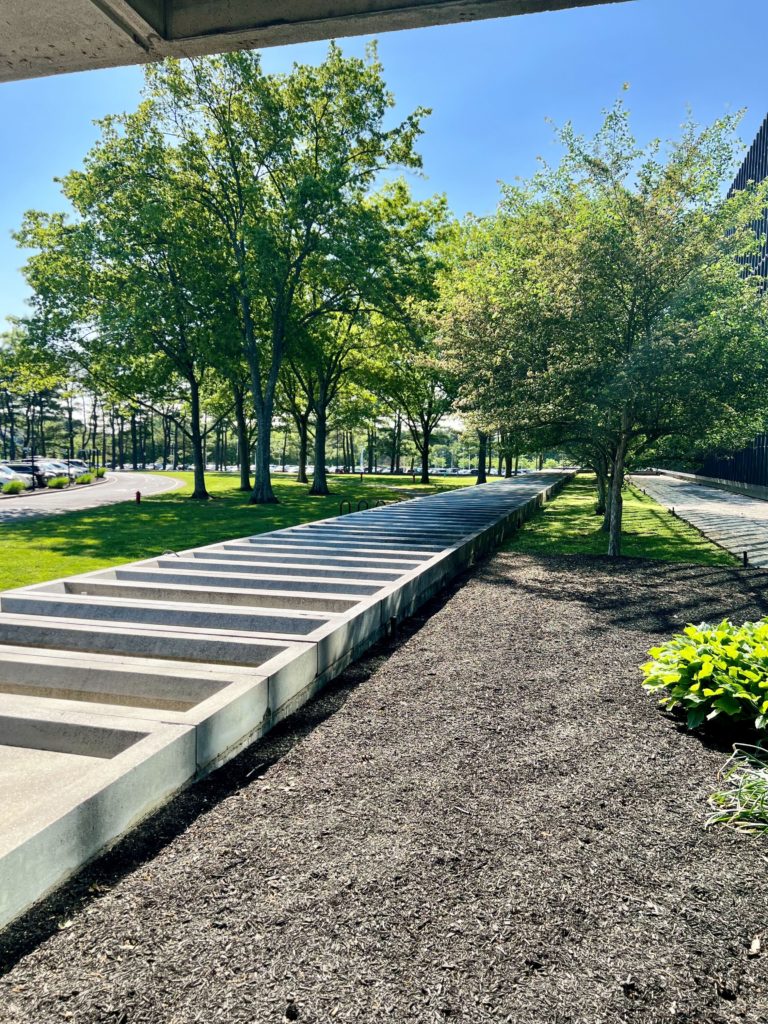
{"x":120,"y":687}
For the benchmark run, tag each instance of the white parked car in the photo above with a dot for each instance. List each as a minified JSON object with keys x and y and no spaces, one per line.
{"x":7,"y":475}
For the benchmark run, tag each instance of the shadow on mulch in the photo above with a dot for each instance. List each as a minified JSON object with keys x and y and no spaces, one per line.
{"x":144,"y":842}
{"x":663,"y":598}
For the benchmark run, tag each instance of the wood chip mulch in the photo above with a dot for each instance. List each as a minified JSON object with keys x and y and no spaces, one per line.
{"x":486,"y":821}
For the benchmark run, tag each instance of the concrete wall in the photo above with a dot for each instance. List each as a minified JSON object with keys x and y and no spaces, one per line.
{"x":41,"y":37}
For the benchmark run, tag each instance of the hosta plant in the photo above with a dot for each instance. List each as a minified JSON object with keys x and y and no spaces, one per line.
{"x":708,"y":671}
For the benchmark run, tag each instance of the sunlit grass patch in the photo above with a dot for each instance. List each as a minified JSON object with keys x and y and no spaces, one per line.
{"x":569,"y":525}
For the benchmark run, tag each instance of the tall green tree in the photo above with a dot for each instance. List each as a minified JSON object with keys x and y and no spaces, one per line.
{"x":281,"y":165}
{"x":614,"y":299}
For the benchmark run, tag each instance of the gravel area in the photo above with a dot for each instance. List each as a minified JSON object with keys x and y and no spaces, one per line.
{"x":488,"y":820}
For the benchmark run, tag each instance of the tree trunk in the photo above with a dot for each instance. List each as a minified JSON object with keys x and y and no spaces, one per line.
{"x":134,"y":442}
{"x":285,"y":447}
{"x":103,"y":436}
{"x":508,"y":464}
{"x":120,"y":444}
{"x":481,"y":457}
{"x":166,"y":440}
{"x":262,"y":493}
{"x":12,"y":427}
{"x":425,"y":457}
{"x":615,"y":498}
{"x":601,"y":475}
{"x":302,"y":427}
{"x":319,"y":480}
{"x":242,"y":440}
{"x":200,"y":491}
{"x":395,"y":450}
{"x":70,"y":430}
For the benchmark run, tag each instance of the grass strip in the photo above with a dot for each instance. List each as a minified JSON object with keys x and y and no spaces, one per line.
{"x":569,"y":526}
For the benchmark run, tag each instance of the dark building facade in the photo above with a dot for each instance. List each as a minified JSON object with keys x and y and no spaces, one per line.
{"x":750,"y":465}
{"x":755,"y":168}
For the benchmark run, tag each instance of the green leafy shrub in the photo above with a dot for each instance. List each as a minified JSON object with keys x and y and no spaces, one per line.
{"x":13,"y":487}
{"x":57,"y":482}
{"x":86,"y":478}
{"x":713,"y":670}
{"x":100,"y":473}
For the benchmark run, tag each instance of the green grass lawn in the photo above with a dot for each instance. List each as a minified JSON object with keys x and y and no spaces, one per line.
{"x":568,"y":525}
{"x":75,"y":542}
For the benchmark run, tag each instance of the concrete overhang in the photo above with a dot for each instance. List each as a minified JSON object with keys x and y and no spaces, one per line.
{"x":40,"y":37}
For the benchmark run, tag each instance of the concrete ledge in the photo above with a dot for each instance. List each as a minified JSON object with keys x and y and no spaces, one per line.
{"x":61,"y":808}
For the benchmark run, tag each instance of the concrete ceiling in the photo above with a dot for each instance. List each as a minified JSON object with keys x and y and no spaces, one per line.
{"x":46,"y":37}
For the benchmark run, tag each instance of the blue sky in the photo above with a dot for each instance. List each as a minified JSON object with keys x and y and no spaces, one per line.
{"x":491,"y":85}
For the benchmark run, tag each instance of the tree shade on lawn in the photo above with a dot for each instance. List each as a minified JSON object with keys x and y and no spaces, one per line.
{"x":569,"y":525}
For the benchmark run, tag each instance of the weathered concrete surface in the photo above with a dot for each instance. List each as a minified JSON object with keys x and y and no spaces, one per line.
{"x":68,"y":789}
{"x":38,"y":37}
{"x":736,"y":522}
{"x":217,"y":643}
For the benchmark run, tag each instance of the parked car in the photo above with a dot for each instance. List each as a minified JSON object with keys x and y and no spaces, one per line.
{"x":79,"y":466}
{"x":35,"y":469}
{"x":58,"y":467}
{"x":7,"y":475}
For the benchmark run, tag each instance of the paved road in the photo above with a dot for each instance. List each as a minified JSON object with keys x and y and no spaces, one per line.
{"x":119,"y":487}
{"x":736,"y":521}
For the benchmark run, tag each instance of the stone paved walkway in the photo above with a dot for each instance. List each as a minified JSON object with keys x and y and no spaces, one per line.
{"x":735,"y":521}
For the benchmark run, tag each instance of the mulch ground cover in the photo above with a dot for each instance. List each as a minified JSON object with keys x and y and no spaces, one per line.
{"x":488,"y":820}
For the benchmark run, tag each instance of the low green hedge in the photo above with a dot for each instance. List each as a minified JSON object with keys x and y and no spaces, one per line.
{"x":13,"y":487}
{"x":86,"y":478}
{"x":100,"y":473}
{"x":708,"y":671}
{"x":57,"y":482}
